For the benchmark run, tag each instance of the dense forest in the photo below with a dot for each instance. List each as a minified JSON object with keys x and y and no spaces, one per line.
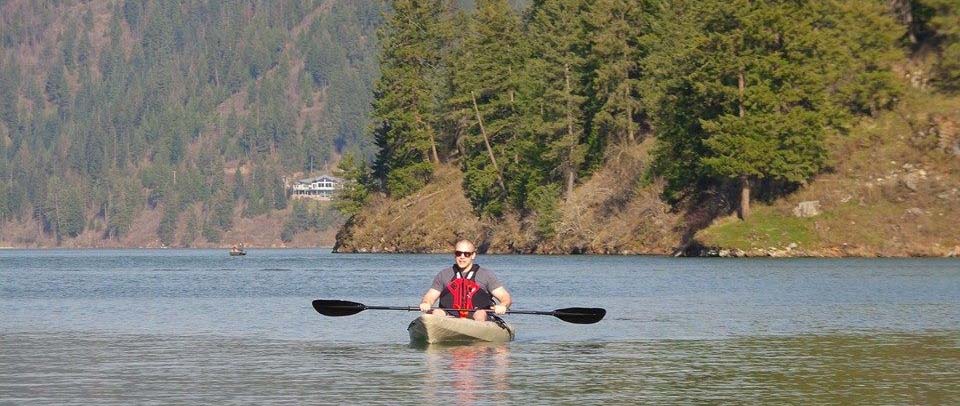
{"x":198,"y":109}
{"x":196,"y":112}
{"x":741,"y":98}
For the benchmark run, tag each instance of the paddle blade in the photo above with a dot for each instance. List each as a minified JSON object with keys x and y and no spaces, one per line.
{"x":580,"y":315}
{"x":336,"y":308}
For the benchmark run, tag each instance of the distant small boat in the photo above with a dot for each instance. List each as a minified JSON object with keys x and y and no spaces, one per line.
{"x":237,"y":253}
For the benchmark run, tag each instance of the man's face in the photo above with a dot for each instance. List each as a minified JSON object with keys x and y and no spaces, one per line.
{"x":464,"y":253}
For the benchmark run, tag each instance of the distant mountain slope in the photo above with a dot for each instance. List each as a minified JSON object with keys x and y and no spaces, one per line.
{"x":148,"y":122}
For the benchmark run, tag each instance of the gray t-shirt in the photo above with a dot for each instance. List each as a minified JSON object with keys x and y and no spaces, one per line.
{"x":484,"y":277}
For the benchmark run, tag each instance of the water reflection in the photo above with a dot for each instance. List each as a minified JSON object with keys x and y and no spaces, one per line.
{"x":467,"y":374}
{"x":102,"y":369}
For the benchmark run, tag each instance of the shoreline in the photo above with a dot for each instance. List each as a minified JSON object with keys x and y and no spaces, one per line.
{"x":836,"y":252}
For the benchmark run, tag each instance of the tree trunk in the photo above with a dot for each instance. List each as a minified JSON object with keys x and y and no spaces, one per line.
{"x":486,"y":142}
{"x":433,"y":144}
{"x":744,"y":180}
{"x":903,"y":10}
{"x":744,"y":198}
{"x":571,"y":171}
{"x":741,"y":86}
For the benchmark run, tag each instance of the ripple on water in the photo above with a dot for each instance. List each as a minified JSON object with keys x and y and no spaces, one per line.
{"x":128,"y":368}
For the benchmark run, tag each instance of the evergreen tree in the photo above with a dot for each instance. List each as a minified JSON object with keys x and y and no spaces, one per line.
{"x":619,"y":42}
{"x":407,"y":97}
{"x":354,"y":192}
{"x":56,"y":88}
{"x":9,"y":86}
{"x":126,"y":201}
{"x":192,"y":230}
{"x":239,"y":189}
{"x":556,"y":73}
{"x":485,"y":91}
{"x":73,"y":219}
{"x":168,"y":222}
{"x":942,"y":17}
{"x":68,"y":44}
{"x":747,"y":92}
{"x":298,"y":221}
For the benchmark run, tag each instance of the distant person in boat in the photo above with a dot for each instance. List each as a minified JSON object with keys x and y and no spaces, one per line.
{"x":466,"y":286}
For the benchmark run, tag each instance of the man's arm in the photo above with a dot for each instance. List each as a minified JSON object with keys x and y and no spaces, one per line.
{"x":505,"y":301}
{"x":428,"y":299}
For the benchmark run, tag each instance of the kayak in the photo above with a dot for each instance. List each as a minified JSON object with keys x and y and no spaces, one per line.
{"x":433,"y":329}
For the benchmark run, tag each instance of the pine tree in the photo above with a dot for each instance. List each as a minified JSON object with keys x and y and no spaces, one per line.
{"x":556,"y":72}
{"x":944,"y":21}
{"x":354,"y":192}
{"x":750,"y":91}
{"x":408,"y":95}
{"x":56,"y":88}
{"x":618,"y":43}
{"x":485,"y":72}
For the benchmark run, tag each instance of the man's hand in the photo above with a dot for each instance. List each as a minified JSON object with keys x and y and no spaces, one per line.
{"x":425,"y":307}
{"x":500,"y":309}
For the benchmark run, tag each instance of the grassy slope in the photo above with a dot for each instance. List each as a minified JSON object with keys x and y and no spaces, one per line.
{"x":893,"y":192}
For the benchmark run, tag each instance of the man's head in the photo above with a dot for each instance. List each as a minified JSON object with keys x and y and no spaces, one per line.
{"x":465,"y":253}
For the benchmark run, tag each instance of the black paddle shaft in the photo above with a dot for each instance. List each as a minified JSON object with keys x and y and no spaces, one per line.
{"x":577,"y":315}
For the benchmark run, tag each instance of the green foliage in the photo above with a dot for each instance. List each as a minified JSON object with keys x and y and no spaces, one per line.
{"x":239,"y":188}
{"x":299,"y":220}
{"x":355,"y":190}
{"x":406,"y":109}
{"x":748,"y":90}
{"x":307,"y":215}
{"x":62,"y":212}
{"x":556,"y":79}
{"x":485,"y":84}
{"x":619,"y":41}
{"x":126,"y":200}
{"x":136,"y":90}
{"x":406,"y":180}
{"x":544,"y":200}
{"x":192,"y":230}
{"x":942,"y":18}
{"x":266,"y":191}
{"x":142,"y":98}
{"x":168,"y":222}
{"x":56,"y":88}
{"x":72,"y":218}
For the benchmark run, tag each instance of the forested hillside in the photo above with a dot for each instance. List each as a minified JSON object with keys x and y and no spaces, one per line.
{"x":173,"y":123}
{"x":543,"y":110}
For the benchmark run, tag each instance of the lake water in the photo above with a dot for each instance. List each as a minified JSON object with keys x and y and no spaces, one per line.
{"x":199,"y":326}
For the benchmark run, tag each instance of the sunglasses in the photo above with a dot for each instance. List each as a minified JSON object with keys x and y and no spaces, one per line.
{"x":462,"y":253}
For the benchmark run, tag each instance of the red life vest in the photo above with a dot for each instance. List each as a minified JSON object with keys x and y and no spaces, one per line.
{"x":463,"y":293}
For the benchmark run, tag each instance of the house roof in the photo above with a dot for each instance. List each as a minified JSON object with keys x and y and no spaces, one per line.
{"x":321,"y":178}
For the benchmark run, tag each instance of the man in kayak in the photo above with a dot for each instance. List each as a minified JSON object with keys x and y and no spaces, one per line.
{"x":465,"y":287}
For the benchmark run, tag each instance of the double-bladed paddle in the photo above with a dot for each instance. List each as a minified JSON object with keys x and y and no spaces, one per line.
{"x":578,"y":315}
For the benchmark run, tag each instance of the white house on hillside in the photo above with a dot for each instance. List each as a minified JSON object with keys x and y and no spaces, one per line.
{"x":320,"y":188}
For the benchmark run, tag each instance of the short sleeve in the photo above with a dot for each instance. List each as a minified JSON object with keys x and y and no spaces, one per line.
{"x":438,"y":282}
{"x":489,"y":280}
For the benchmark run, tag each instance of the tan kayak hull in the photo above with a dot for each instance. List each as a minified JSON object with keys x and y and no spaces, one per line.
{"x":433,"y":329}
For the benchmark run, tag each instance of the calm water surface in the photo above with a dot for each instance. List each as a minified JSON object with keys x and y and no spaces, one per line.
{"x":198,"y":326}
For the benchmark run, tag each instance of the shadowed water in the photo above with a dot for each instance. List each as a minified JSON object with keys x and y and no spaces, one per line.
{"x":168,"y":327}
